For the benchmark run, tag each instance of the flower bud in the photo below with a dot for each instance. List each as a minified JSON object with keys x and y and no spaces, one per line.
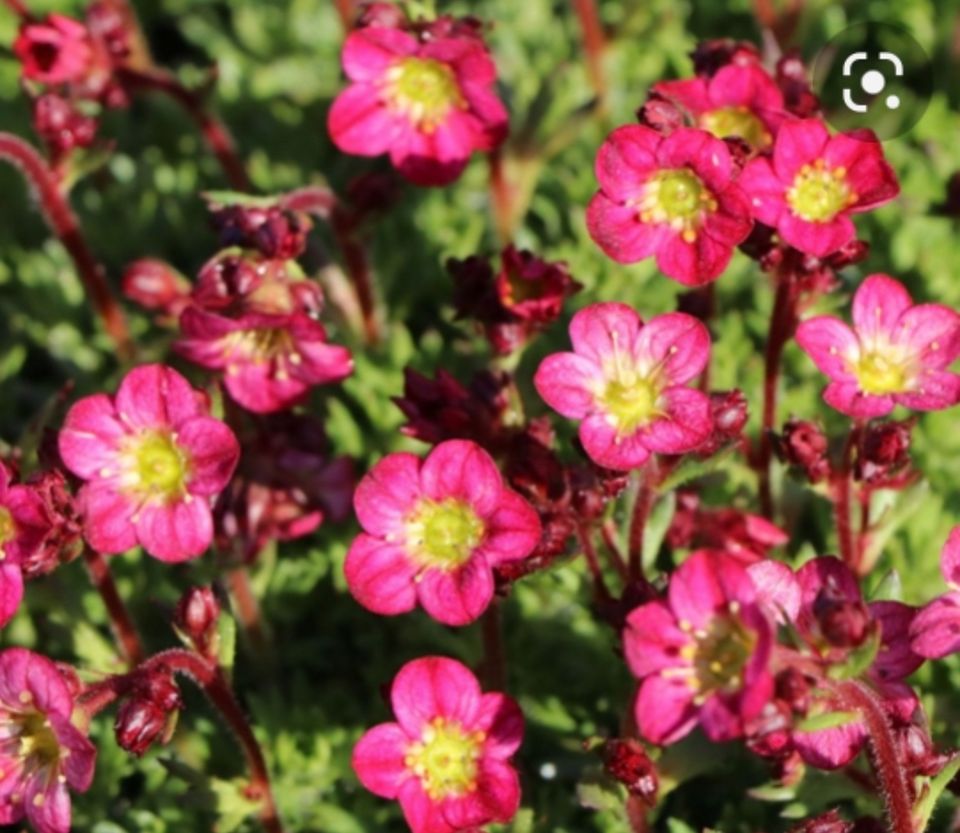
{"x":196,"y":617}
{"x":628,"y":762}
{"x":829,"y":822}
{"x":156,"y":285}
{"x":60,"y":126}
{"x":274,"y":232}
{"x":804,"y":445}
{"x":149,"y":713}
{"x":843,"y":623}
{"x":884,"y":451}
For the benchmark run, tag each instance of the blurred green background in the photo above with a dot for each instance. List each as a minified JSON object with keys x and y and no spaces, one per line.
{"x":319,"y":684}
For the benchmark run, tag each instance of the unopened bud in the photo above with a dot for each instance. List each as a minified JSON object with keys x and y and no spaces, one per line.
{"x":196,"y":617}
{"x":803,"y":444}
{"x":156,"y":285}
{"x":628,"y":762}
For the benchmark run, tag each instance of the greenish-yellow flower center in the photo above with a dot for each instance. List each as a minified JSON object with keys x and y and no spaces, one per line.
{"x":737,"y":121}
{"x":160,"y":465}
{"x":38,"y":746}
{"x":444,"y":533}
{"x":8,"y":529}
{"x":424,"y":90}
{"x":445,"y":759}
{"x":881,"y":374}
{"x":630,"y":402}
{"x":679,"y":198}
{"x":819,"y":194}
{"x":720,"y":653}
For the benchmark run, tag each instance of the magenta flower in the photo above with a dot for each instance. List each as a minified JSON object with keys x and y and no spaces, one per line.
{"x":702,"y":654}
{"x":24,"y":526}
{"x":625,"y":380}
{"x":270,"y":361}
{"x":434,"y":529}
{"x":740,"y":101}
{"x":935,"y":630}
{"x":814,"y":182}
{"x":896,"y":354}
{"x":447,"y":758}
{"x":672,"y":197}
{"x":153,"y":459}
{"x":42,"y":754}
{"x":54,"y":51}
{"x":428,"y":104}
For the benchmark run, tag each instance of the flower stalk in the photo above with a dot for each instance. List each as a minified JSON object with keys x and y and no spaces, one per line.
{"x":123,"y":626}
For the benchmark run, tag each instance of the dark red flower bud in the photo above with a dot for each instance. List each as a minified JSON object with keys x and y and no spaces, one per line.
{"x":156,"y":285}
{"x":61,"y":126}
{"x":770,"y":734}
{"x":884,"y":451}
{"x":371,"y":194}
{"x":792,"y":687}
{"x":711,"y":56}
{"x":843,"y":622}
{"x":148,"y":715}
{"x":196,"y":617}
{"x":272,"y":231}
{"x":730,"y":412}
{"x":628,"y":762}
{"x":829,"y":822}
{"x":804,"y":445}
{"x":63,"y":526}
{"x":794,"y":82}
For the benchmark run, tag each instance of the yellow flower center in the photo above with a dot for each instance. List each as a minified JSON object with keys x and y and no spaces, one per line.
{"x":737,"y":121}
{"x":444,"y":533}
{"x":819,"y":194}
{"x":720,"y":653}
{"x":630,"y":403}
{"x":424,"y":90}
{"x":8,"y":530}
{"x":445,"y":759}
{"x":881,"y":374}
{"x":679,"y":198}
{"x":159,"y":466}
{"x":38,"y":746}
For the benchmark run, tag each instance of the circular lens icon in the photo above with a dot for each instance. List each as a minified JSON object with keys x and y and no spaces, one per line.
{"x":873,"y":75}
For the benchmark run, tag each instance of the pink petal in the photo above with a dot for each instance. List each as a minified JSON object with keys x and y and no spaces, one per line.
{"x":705,"y":584}
{"x":616,"y":228}
{"x":461,"y":469}
{"x":152,"y":396}
{"x":652,"y":641}
{"x":566,"y":382}
{"x":764,"y":190}
{"x":432,"y":687}
{"x":867,"y":172}
{"x":704,"y":153}
{"x":90,"y":435}
{"x":817,"y":239}
{"x":877,"y":306}
{"x":831,"y":344}
{"x":498,"y":788}
{"x":78,"y":765}
{"x":378,"y":759}
{"x":175,"y":532}
{"x":607,"y":448}
{"x":831,"y":748}
{"x":720,"y":719}
{"x":896,"y":658}
{"x":23,"y":671}
{"x":500,"y":718}
{"x":950,"y":559}
{"x":380,"y":576}
{"x":107,"y":524}
{"x":665,"y":711}
{"x":932,"y":333}
{"x":47,"y":803}
{"x":696,"y":263}
{"x":745,"y":86}
{"x":11,"y":591}
{"x":626,"y":160}
{"x":678,"y":343}
{"x":687,"y":422}
{"x":469,"y":58}
{"x":934,"y":390}
{"x":512,"y":531}
{"x":417,"y":162}
{"x":359,"y":122}
{"x":369,"y":52}
{"x":213,"y":451}
{"x":732,"y":222}
{"x":689,"y":93}
{"x":847,"y":398}
{"x":490,"y":112}
{"x":777,"y":589}
{"x":601,"y":330}
{"x":457,"y":597}
{"x":388,"y":493}
{"x":935,"y":631}
{"x":258,"y":387}
{"x":799,"y":143}
{"x":423,"y":815}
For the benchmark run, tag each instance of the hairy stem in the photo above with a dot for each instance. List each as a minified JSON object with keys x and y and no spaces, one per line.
{"x":646,"y":494}
{"x":19,"y":9}
{"x":841,"y":503}
{"x":886,"y":764}
{"x":120,"y":619}
{"x":347,"y":11}
{"x":64,"y":224}
{"x":247,"y":608}
{"x":609,"y":535}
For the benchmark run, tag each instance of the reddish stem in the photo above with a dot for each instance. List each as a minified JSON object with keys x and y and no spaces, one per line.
{"x":19,"y":9}
{"x":247,"y":608}
{"x":64,"y":224}
{"x":348,"y":13}
{"x":886,"y":763}
{"x":638,"y":521}
{"x":120,"y":619}
{"x":593,"y":562}
{"x":608,"y":533}
{"x":782,"y":324}
{"x":594,"y":44}
{"x":494,"y":669}
{"x":501,"y":197}
{"x":841,"y":503}
{"x":214,"y":131}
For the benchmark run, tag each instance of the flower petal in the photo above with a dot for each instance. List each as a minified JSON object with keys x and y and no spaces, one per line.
{"x":500,"y":718}
{"x":461,"y":469}
{"x":664,"y":710}
{"x":359,"y":123}
{"x":380,"y":576}
{"x":607,"y":448}
{"x":11,"y":591}
{"x":431,"y":687}
{"x":799,"y":143}
{"x":600,"y":331}
{"x":877,"y":306}
{"x":369,"y":52}
{"x":457,"y":597}
{"x":685,"y":425}
{"x":512,"y":531}
{"x":676,"y":342}
{"x":831,"y":344}
{"x":378,"y":759}
{"x":652,"y":640}
{"x":107,"y":524}
{"x":847,"y":398}
{"x":932,"y":334}
{"x":566,"y":382}
{"x":213,"y":451}
{"x":626,"y":160}
{"x":155,"y":396}
{"x":423,"y":814}
{"x":175,"y":532}
{"x":388,"y":493}
{"x":90,"y":435}
{"x":617,"y":229}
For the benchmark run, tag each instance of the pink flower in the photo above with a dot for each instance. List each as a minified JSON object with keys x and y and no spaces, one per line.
{"x":434,"y":529}
{"x":896,"y":354}
{"x":153,"y":459}
{"x":741,"y":101}
{"x":814,"y":182}
{"x":24,"y":526}
{"x":55,"y":51}
{"x":447,"y":758}
{"x":935,"y":630}
{"x":673,"y":197}
{"x":701,"y":654}
{"x":428,"y":104}
{"x":42,"y":754}
{"x":625,"y":380}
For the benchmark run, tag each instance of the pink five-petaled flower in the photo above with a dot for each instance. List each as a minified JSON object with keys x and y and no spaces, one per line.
{"x":434,"y":529}
{"x":673,"y":197}
{"x":702,"y":654}
{"x":41,"y":752}
{"x":741,"y":101}
{"x":447,"y":758}
{"x":935,"y":631}
{"x":24,"y":525}
{"x":896,"y":354}
{"x":153,"y":459}
{"x":814,"y":182}
{"x":429,"y":104}
{"x":55,"y":51}
{"x":625,"y":380}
